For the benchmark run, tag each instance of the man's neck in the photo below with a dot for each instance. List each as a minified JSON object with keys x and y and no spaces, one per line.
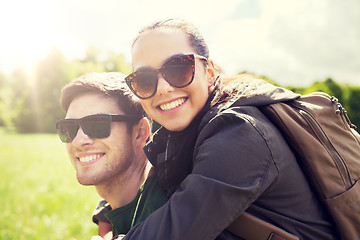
{"x":122,"y":190}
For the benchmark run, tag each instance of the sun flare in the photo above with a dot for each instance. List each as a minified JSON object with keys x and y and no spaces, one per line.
{"x":27,"y":32}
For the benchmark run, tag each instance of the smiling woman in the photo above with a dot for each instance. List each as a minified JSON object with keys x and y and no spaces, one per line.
{"x":26,"y":31}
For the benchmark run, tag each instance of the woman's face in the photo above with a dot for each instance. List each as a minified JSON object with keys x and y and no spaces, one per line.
{"x":173,"y":108}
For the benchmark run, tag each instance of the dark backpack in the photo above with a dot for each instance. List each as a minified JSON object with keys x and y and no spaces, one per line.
{"x":327,"y":147}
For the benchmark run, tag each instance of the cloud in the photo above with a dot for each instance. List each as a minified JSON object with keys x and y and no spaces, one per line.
{"x":294,"y":42}
{"x":323,"y":38}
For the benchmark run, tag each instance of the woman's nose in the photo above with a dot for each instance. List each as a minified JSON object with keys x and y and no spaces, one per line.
{"x":163,"y":86}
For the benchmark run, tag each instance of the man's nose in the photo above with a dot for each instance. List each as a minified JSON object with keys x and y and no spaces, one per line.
{"x":81,"y":138}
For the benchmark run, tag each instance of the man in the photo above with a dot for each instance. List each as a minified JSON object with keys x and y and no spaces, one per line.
{"x":105,"y":130}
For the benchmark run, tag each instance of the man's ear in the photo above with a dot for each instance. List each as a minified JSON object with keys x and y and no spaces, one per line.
{"x":141,"y":132}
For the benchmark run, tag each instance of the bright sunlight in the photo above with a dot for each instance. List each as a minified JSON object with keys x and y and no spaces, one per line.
{"x":27,"y":33}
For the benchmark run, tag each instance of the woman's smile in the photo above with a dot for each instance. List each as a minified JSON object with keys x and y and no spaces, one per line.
{"x":174,"y":104}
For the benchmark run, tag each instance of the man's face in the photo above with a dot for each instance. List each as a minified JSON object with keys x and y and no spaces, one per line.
{"x":98,"y":161}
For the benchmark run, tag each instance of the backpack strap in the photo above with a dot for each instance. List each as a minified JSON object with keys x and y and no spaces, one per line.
{"x":250,"y":227}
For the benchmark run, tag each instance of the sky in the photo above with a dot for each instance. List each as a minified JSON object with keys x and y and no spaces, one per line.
{"x":294,"y":42}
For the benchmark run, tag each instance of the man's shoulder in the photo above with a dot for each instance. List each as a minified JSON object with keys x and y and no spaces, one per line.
{"x":152,"y":191}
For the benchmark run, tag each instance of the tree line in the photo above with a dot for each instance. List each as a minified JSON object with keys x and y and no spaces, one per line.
{"x":29,"y":102}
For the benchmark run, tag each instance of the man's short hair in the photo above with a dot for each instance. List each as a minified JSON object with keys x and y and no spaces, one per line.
{"x":110,"y":85}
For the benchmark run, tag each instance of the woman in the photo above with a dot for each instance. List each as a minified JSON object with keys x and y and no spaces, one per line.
{"x":217,"y":155}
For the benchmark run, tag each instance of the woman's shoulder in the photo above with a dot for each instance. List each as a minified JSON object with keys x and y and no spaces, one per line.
{"x":235,"y":119}
{"x":227,"y":111}
{"x":220,"y":121}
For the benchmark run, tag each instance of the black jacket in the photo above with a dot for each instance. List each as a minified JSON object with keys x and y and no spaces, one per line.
{"x":239,"y":161}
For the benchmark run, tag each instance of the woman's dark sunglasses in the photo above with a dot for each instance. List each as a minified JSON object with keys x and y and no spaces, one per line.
{"x":178,"y":71}
{"x":94,"y":126}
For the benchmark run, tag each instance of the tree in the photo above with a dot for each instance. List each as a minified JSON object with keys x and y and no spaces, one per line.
{"x":8,"y":104}
{"x":328,"y":86}
{"x":354,"y":106}
{"x":40,"y":92}
{"x":116,"y":63}
{"x":24,"y":122}
{"x":51,"y":74}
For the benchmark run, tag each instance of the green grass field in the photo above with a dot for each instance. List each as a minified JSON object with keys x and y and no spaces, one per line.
{"x":39,"y":195}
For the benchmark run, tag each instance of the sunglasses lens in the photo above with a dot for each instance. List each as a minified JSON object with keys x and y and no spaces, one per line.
{"x":97,"y":126}
{"x":67,"y":131}
{"x":144,"y":83}
{"x":179,"y":72}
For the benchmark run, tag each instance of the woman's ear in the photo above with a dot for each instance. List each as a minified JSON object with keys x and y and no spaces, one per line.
{"x":210,"y":69}
{"x":141,"y":132}
{"x":211,"y":74}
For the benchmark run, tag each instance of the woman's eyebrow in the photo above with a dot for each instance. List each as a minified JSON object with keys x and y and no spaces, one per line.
{"x":147,"y":68}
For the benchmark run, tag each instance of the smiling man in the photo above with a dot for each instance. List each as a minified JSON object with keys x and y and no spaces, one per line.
{"x":105,"y":130}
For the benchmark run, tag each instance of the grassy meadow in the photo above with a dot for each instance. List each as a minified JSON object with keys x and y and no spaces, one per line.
{"x":39,"y":195}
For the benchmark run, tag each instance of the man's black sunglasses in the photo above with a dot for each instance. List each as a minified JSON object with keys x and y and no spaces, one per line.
{"x":95,"y":126}
{"x":178,"y":71}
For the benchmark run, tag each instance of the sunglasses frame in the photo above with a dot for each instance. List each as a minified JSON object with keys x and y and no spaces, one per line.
{"x":161,"y":70}
{"x":79,"y":122}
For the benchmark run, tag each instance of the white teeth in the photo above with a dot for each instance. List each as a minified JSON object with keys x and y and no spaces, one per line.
{"x":89,"y":158}
{"x":172,"y":105}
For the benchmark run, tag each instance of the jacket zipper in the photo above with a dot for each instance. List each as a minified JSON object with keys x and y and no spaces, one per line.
{"x":327,"y":144}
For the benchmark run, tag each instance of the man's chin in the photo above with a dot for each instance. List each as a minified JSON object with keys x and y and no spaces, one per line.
{"x":86,"y":184}
{"x":86,"y":181}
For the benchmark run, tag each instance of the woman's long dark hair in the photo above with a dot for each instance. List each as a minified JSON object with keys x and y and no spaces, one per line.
{"x":197,"y":41}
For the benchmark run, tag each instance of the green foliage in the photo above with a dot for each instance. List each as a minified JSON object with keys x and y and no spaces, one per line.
{"x":43,"y":93}
{"x":328,"y":86}
{"x":29,"y":102}
{"x":269,"y":80}
{"x":12,"y":97}
{"x":9,"y":104}
{"x":116,"y":63}
{"x":299,"y":90}
{"x":353,"y":106}
{"x":40,"y":197}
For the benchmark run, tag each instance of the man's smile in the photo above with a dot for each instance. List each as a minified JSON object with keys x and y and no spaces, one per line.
{"x":90,"y":158}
